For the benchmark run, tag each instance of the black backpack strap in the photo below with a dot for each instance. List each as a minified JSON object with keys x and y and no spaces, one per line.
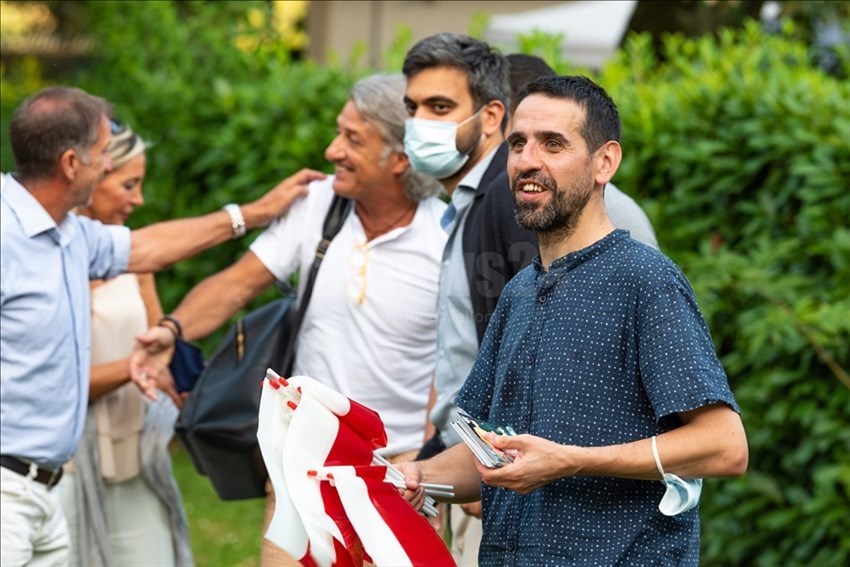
{"x":337,"y":213}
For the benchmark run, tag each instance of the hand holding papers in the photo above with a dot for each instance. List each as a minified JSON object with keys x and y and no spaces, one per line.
{"x":474,"y":434}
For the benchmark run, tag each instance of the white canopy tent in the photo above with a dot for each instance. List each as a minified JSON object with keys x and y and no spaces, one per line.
{"x":592,"y":31}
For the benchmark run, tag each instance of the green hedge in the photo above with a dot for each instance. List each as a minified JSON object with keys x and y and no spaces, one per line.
{"x":226,"y":123}
{"x":740,"y":151}
{"x":737,"y":147}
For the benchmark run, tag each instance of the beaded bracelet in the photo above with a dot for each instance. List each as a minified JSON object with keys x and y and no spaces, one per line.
{"x":178,"y":328}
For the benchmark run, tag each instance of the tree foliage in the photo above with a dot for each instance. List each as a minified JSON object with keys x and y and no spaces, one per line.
{"x":739,"y":148}
{"x":226,"y":122}
{"x":737,"y":145}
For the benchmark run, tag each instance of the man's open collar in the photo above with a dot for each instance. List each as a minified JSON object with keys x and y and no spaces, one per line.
{"x":33,"y":217}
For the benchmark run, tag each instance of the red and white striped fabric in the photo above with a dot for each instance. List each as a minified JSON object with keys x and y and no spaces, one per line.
{"x":305,"y":426}
{"x":286,"y":529}
{"x":391,"y":530}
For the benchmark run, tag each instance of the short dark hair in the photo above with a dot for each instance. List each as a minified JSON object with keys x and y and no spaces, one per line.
{"x":524,"y":68}
{"x":50,"y":122}
{"x":486,"y":69}
{"x":601,"y":120}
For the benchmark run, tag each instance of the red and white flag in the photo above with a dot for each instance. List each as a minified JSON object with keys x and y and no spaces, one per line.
{"x":306,"y":427}
{"x":392,"y":532}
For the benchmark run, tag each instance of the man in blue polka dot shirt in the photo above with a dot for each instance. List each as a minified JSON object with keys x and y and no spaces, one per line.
{"x":599,"y":358}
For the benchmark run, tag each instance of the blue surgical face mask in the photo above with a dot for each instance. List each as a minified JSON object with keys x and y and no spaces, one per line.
{"x":431,"y":146}
{"x":681,"y":495}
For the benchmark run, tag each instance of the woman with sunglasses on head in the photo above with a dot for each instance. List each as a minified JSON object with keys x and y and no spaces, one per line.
{"x":120,"y":499}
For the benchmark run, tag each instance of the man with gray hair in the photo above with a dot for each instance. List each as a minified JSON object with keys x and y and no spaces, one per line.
{"x":370,"y":328}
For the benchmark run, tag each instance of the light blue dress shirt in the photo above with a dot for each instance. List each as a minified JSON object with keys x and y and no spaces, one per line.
{"x":45,"y":322}
{"x":457,"y":339}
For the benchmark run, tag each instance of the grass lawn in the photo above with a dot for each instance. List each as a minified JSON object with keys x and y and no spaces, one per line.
{"x":224,"y":534}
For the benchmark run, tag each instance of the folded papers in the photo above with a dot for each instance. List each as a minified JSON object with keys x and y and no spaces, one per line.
{"x":474,"y":434}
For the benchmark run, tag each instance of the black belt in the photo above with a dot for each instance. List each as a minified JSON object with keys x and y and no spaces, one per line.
{"x":44,"y":476}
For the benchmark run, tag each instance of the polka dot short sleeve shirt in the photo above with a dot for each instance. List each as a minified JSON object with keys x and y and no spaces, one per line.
{"x":605,"y":348}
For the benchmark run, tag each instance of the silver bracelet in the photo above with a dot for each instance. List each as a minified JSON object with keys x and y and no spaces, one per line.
{"x":237,"y":221}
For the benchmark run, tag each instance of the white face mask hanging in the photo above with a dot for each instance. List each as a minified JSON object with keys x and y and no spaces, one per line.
{"x":681,"y":495}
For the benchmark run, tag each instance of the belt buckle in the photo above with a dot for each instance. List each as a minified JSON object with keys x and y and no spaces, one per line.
{"x":54,"y":478}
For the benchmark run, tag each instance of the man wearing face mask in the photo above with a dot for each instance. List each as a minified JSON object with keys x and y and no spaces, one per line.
{"x":457,"y":97}
{"x":458,"y":92}
{"x":599,"y":358}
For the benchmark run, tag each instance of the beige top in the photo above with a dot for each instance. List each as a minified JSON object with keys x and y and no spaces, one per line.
{"x":118,"y":315}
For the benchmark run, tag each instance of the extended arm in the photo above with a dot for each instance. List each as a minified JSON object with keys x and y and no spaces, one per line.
{"x":159,"y":245}
{"x":454,"y":466}
{"x":204,"y":309}
{"x":710,"y":443}
{"x":213,"y":301}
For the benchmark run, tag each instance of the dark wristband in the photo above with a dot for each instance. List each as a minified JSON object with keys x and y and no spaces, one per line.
{"x":178,"y":328}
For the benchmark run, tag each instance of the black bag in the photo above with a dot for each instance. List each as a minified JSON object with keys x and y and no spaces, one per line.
{"x":218,"y":423}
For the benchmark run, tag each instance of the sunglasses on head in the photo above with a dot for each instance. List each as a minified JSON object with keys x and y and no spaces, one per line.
{"x":116,"y":126}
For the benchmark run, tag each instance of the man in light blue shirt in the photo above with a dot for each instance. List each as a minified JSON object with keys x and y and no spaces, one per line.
{"x":44,"y":282}
{"x":47,"y":257}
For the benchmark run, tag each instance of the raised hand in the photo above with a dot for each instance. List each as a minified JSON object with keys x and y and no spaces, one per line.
{"x":278,"y":199}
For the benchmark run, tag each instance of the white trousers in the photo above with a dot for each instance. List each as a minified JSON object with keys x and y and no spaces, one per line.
{"x":32,"y":527}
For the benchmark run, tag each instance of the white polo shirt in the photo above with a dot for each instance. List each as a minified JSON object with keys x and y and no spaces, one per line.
{"x":370,"y":331}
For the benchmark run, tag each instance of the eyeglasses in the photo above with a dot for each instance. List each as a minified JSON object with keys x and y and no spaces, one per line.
{"x":358,"y":260}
